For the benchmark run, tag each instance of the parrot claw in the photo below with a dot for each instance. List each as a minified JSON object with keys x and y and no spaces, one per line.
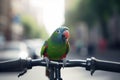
{"x":64,"y":62}
{"x":47,"y":61}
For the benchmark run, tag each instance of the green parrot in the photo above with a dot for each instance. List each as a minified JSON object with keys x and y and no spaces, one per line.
{"x":57,"y":46}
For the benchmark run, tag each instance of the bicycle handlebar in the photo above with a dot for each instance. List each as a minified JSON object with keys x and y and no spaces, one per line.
{"x":69,"y":63}
{"x":13,"y":65}
{"x":97,"y":64}
{"x":90,"y":64}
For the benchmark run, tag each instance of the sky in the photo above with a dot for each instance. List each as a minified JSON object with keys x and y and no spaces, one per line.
{"x":53,"y":13}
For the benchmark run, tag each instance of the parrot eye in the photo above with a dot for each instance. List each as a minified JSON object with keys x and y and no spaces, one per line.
{"x":58,"y":31}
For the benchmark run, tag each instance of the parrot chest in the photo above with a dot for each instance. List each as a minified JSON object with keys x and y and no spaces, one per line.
{"x":55,"y":52}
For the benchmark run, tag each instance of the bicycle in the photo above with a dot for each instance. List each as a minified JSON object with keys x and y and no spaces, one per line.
{"x":90,"y":64}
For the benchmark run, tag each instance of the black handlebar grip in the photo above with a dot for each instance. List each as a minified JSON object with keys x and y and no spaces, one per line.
{"x":96,"y":64}
{"x":13,"y":65}
{"x":108,"y":66}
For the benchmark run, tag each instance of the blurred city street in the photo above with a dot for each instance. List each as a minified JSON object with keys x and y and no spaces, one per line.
{"x":94,"y":27}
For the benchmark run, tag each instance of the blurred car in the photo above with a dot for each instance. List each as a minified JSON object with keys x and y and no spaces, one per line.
{"x":13,"y":50}
{"x":34,"y":47}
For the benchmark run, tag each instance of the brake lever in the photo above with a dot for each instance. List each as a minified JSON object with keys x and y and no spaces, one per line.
{"x":22,"y":73}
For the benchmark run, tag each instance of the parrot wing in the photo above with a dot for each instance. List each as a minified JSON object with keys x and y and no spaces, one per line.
{"x":44,"y":48}
{"x":68,"y":47}
{"x":67,"y":50}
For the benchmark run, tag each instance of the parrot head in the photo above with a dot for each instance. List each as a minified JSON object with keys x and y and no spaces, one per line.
{"x":61,"y":34}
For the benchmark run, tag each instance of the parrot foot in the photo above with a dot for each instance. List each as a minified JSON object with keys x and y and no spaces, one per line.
{"x":64,"y":62}
{"x":47,"y":61}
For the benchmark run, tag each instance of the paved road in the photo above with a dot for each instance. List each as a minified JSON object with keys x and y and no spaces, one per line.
{"x":67,"y":74}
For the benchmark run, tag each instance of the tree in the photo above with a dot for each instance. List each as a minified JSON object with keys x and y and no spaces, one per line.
{"x":92,"y":11}
{"x":31,"y":28}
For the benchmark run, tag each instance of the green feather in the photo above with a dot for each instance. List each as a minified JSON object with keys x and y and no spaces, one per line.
{"x":43,"y":49}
